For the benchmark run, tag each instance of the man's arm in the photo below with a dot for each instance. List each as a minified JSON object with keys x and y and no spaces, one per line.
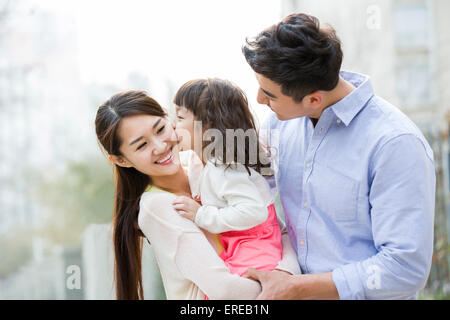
{"x":402,"y":196}
{"x":277,"y":285}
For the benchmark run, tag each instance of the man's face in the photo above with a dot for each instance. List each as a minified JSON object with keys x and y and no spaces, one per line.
{"x":269,"y":93}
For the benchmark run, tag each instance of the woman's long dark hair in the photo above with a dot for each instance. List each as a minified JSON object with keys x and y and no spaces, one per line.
{"x":222,"y":105}
{"x":130,"y":184}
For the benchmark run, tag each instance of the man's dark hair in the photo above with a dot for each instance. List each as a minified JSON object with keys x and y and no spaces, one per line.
{"x":298,"y":55}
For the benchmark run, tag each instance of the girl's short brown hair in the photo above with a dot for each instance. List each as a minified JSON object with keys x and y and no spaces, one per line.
{"x":221,"y":105}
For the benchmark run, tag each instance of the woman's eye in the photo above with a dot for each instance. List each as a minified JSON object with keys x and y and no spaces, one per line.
{"x":179,"y":117}
{"x":143,"y":144}
{"x":161,"y":129}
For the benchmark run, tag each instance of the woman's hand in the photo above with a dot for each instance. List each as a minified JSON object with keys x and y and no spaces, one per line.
{"x":186,"y":207}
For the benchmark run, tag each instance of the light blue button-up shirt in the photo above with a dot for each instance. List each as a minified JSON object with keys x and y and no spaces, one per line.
{"x":358,"y":193}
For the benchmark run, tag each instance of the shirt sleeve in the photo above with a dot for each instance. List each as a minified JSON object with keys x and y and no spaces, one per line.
{"x":402,"y":214}
{"x":288,"y":262}
{"x":194,"y":257}
{"x":203,"y":266}
{"x":245,"y":207}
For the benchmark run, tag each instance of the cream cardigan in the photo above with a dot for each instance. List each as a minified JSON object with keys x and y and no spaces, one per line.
{"x":187,"y":255}
{"x":232,"y":200}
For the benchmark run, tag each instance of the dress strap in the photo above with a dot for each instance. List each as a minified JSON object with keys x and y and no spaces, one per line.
{"x":151,"y":188}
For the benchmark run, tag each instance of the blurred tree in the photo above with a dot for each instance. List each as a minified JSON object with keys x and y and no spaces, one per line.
{"x":15,"y":250}
{"x":440,"y":272}
{"x":80,"y":195}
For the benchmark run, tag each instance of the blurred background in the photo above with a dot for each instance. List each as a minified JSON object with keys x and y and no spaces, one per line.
{"x":60,"y":59}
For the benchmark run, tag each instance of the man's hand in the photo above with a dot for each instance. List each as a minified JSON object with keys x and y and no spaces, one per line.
{"x":280,"y":285}
{"x":276,"y":285}
{"x":186,"y":207}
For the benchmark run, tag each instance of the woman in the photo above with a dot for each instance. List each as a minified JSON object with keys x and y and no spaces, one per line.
{"x":134,"y":131}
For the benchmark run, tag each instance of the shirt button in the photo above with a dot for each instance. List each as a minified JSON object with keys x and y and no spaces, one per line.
{"x":305,"y":204}
{"x":308,"y":165}
{"x":339,"y":121}
{"x":302,"y":242}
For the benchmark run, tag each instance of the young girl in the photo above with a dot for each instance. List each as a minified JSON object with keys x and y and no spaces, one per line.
{"x":236,"y":201}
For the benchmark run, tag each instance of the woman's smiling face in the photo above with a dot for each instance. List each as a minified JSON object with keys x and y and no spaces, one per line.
{"x":149,"y":144}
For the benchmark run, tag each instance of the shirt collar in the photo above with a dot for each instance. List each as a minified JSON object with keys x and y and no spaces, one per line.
{"x":347,"y":108}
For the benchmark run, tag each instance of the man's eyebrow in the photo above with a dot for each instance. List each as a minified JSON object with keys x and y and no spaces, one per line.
{"x":154,"y":126}
{"x":268,"y":93}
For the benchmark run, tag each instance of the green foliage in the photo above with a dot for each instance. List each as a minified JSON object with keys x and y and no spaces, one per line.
{"x":80,"y":195}
{"x":15,"y":250}
{"x":434,"y":295}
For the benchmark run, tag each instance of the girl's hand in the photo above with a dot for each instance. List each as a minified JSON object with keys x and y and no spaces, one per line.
{"x":186,"y":207}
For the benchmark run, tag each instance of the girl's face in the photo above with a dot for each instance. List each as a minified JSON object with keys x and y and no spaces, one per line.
{"x":149,"y":144}
{"x":184,"y":127}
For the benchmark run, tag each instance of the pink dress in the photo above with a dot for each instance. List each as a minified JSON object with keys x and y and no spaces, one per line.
{"x":259,"y":247}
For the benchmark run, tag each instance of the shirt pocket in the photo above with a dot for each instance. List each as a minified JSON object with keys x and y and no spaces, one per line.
{"x":336,"y":194}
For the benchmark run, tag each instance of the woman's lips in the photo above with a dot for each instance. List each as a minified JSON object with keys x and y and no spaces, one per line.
{"x":167,"y":157}
{"x":168,"y":161}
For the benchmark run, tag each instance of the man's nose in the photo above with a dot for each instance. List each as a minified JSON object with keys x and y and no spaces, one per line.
{"x":261,"y":98}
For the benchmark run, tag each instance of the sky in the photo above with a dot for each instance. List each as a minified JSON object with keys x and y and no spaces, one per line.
{"x":170,"y":39}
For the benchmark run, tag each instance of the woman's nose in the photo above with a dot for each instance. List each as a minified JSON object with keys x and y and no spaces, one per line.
{"x":160,"y":146}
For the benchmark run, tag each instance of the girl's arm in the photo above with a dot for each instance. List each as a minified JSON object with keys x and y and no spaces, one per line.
{"x":179,"y":242}
{"x":245,"y":207}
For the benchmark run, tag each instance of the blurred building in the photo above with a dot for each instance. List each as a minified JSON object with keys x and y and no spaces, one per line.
{"x":40,"y":94}
{"x":403,"y":45}
{"x":98,"y":266}
{"x":46,"y":121}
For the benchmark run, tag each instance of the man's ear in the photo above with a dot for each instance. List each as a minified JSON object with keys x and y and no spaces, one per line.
{"x":121,"y":162}
{"x":314,"y":99}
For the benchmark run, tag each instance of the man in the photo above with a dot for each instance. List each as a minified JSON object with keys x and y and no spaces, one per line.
{"x":355,"y":176}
